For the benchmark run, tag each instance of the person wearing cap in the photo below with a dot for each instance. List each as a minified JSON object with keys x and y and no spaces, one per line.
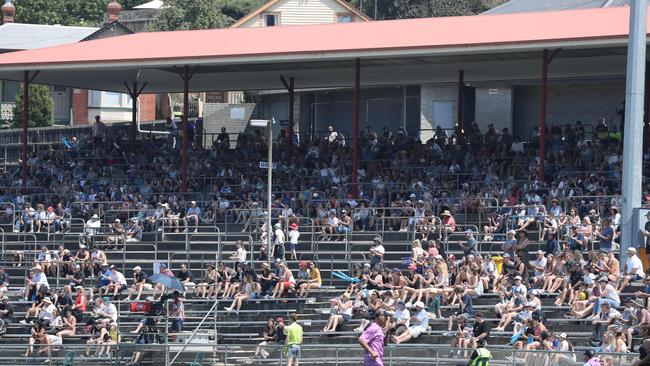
{"x":377,"y":251}
{"x":117,"y":281}
{"x":342,"y":313}
{"x":75,"y":278}
{"x":139,"y":280}
{"x":632,"y":270}
{"x":419,"y":324}
{"x":605,"y":235}
{"x":117,"y":231}
{"x":193,"y":216}
{"x":91,"y":228}
{"x":591,"y":359}
{"x":278,"y":242}
{"x":294,"y":235}
{"x":293,"y":341}
{"x":471,"y":247}
{"x":105,"y":312}
{"x":133,"y":231}
{"x":480,"y":331}
{"x":372,"y":341}
{"x":38,"y":281}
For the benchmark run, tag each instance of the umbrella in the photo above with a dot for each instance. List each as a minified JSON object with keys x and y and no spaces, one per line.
{"x":168,"y":281}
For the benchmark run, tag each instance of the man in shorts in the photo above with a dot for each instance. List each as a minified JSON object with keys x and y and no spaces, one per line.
{"x":293,"y":333}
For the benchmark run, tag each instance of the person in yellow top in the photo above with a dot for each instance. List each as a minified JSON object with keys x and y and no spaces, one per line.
{"x":314,"y":280}
{"x":293,"y":332}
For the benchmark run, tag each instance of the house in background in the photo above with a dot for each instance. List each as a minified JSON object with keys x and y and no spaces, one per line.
{"x":528,"y":6}
{"x":72,"y":106}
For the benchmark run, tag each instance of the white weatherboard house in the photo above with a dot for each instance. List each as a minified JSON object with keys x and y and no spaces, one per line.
{"x":300,"y":12}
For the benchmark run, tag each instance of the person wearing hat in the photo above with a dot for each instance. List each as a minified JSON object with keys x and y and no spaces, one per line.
{"x":294,"y":235}
{"x":372,"y":341}
{"x":105,"y":312}
{"x":117,"y":281}
{"x":632,"y":270}
{"x":637,"y":320}
{"x":481,"y":355}
{"x":37,"y":282}
{"x":91,"y":228}
{"x":139,"y":280}
{"x":377,"y":251}
{"x":193,"y":216}
{"x":448,"y":223}
{"x":419,"y":324}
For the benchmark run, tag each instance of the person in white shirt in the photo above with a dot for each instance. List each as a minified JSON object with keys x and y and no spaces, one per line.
{"x":331,"y":135}
{"x":105,"y":312}
{"x":377,"y":251}
{"x":91,"y":227}
{"x":278,"y":242}
{"x":38,"y":280}
{"x":419,"y":324}
{"x":294,"y":235}
{"x":193,"y":216}
{"x":539,"y":266}
{"x":632,"y":271}
{"x":239,"y":256}
{"x":44,"y":258}
{"x":402,"y":318}
{"x":118,"y":282}
{"x":47,"y":313}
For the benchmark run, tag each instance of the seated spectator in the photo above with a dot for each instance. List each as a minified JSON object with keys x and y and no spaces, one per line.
{"x":117,"y":231}
{"x":269,"y":336}
{"x":133,"y":231}
{"x":632,"y":270}
{"x":4,"y":281}
{"x":248,"y":290}
{"x":186,"y":277}
{"x":160,"y":287}
{"x":193,"y":216}
{"x":117,"y":282}
{"x":419,"y":324}
{"x":313,"y":282}
{"x":341,"y":313}
{"x":139,"y":280}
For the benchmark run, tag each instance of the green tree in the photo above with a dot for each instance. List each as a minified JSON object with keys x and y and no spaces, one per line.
{"x":88,"y":13}
{"x":403,"y":9}
{"x":202,"y":14}
{"x":41,"y":107}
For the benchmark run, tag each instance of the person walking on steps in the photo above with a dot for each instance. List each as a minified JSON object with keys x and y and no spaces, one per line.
{"x":372,"y":341}
{"x":481,"y":355}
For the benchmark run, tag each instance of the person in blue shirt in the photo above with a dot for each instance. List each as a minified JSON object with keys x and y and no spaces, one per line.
{"x":551,"y":245}
{"x":605,"y":235}
{"x":576,"y":240}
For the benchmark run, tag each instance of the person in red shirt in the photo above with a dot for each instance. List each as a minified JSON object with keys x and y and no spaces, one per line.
{"x":80,"y":301}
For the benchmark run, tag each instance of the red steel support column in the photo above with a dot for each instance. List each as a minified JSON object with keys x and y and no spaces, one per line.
{"x":547,"y":59}
{"x":26,"y":83}
{"x":186,"y":129}
{"x":461,"y":97}
{"x":542,"y":117}
{"x":355,"y":149}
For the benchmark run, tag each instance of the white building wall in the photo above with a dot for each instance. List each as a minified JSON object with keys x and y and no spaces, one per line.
{"x":429,"y":95}
{"x":301,"y":12}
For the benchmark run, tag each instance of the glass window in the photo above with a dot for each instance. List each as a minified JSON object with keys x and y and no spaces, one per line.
{"x":95,"y":98}
{"x":111,"y":99}
{"x":270,"y":20}
{"x":11,"y":90}
{"x":344,"y":18}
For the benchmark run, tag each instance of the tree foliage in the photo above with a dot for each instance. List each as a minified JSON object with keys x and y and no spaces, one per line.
{"x":402,"y":9}
{"x":41,"y":107}
{"x":89,"y":13}
{"x":202,"y":14}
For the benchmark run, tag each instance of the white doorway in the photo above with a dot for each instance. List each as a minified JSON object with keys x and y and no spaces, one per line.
{"x":61,"y":98}
{"x":443,"y":115}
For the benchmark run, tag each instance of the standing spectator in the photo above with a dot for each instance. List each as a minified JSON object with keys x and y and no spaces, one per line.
{"x":278,"y":242}
{"x":471,"y":248}
{"x":481,"y":356}
{"x":294,"y":235}
{"x":376,"y":252}
{"x":239,"y":256}
{"x":98,"y":131}
{"x":632,"y":270}
{"x":372,"y":341}
{"x":177,"y":314}
{"x":293,"y":341}
{"x":605,"y":235}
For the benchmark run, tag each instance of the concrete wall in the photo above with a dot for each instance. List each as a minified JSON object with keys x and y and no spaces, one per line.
{"x":429,"y":95}
{"x":494,"y":105}
{"x":217,"y":115}
{"x":568,"y":103}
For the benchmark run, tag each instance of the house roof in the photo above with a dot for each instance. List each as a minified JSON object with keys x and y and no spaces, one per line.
{"x":270,"y":3}
{"x":154,"y":4}
{"x":527,"y":6}
{"x":18,"y":36}
{"x":108,"y":27}
{"x":408,"y":51}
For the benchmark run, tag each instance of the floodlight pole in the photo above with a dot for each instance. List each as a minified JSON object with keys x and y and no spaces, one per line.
{"x":186,"y":74}
{"x":26,"y":82}
{"x":633,"y":136}
{"x":355,"y":148}
{"x":546,"y":61}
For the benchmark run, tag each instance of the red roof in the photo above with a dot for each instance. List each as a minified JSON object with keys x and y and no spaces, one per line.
{"x":395,"y":35}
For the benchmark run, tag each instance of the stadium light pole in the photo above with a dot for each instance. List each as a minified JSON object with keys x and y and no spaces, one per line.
{"x":269,"y":189}
{"x":633,"y":134}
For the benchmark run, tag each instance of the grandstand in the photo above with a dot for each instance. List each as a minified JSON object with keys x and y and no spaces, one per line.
{"x":450,"y":224}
